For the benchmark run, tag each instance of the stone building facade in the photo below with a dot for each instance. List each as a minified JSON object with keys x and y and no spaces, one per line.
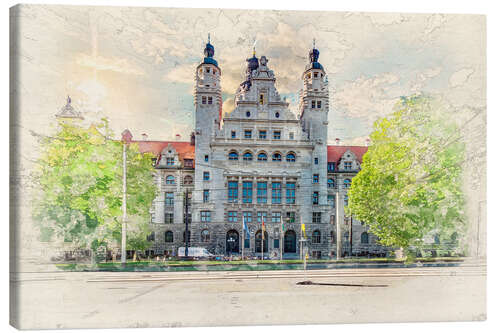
{"x":261,"y":170}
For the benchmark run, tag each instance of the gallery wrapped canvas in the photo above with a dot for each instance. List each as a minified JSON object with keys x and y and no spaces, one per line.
{"x":212,"y":167}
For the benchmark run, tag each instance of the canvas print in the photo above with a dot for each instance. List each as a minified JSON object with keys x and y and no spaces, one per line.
{"x":211,"y":167}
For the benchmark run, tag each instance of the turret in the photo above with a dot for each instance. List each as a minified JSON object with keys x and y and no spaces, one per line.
{"x":314,"y":99}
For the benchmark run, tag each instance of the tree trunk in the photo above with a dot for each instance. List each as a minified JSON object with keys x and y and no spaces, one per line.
{"x":399,"y":253}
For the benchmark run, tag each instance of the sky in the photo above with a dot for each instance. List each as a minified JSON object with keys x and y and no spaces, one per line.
{"x":136,"y":66}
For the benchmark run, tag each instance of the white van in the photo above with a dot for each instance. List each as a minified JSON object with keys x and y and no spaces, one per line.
{"x":194,"y":252}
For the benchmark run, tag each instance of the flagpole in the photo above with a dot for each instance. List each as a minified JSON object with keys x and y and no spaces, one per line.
{"x":243,"y":237}
{"x":281,"y":238}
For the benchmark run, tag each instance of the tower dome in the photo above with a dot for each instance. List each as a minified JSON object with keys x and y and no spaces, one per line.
{"x":313,"y":58}
{"x":209,"y":54}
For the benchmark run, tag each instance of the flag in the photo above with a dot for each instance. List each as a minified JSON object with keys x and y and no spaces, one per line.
{"x":245,"y":228}
{"x":304,"y":230}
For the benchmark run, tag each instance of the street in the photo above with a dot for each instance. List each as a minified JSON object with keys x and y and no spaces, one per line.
{"x":165,"y":299}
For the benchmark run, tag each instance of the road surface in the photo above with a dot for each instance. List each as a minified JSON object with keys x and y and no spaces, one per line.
{"x":165,"y":299}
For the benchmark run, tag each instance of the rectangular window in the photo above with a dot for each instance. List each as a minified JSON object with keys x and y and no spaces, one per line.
{"x":316,"y":178}
{"x":261,"y":192}
{"x":290,"y":217}
{"x":170,"y":161}
{"x":232,"y":216}
{"x":203,"y":99}
{"x":316,"y":74}
{"x":316,"y":160}
{"x":277,"y":243}
{"x":206,"y":175}
{"x":315,"y":198}
{"x":247,"y":217}
{"x":313,"y":104}
{"x":169,"y":199}
{"x":248,"y":134}
{"x":169,"y":217}
{"x":319,"y":104}
{"x":261,"y":99}
{"x":206,"y":195}
{"x":247,"y":192}
{"x":232,"y":191}
{"x":276,"y":217}
{"x":316,"y":217}
{"x":262,"y":134}
{"x":331,"y":200}
{"x":205,"y":216}
{"x":290,"y":193}
{"x":209,"y":99}
{"x":261,"y":217}
{"x":277,"y":135}
{"x":331,"y":166}
{"x":346,"y":200}
{"x":247,"y":243}
{"x":348,"y":165}
{"x":206,"y":158}
{"x":276,"y":193}
{"x":233,"y":134}
{"x":290,"y":135}
{"x":332,"y":219}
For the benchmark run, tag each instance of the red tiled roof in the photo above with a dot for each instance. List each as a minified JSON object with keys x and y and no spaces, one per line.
{"x":336,"y":152}
{"x":184,"y":149}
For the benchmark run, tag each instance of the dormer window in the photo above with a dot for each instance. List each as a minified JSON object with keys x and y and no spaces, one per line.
{"x":313,"y":104}
{"x":169,"y":161}
{"x":203,"y":99}
{"x":348,"y":165}
{"x":209,"y":99}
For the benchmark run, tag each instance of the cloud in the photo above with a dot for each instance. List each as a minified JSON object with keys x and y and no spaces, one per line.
{"x":367,"y":98}
{"x":460,"y":77}
{"x":227,"y":106}
{"x":114,"y":64}
{"x":181,"y":73}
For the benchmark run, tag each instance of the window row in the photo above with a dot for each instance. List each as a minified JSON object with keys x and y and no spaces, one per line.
{"x":262,"y":217}
{"x":206,"y":100}
{"x":170,"y":180}
{"x":262,"y":134}
{"x":262,"y":192}
{"x":262,"y":156}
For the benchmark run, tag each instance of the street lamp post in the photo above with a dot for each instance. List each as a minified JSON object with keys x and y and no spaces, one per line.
{"x":126,"y":137}
{"x":231,"y":241}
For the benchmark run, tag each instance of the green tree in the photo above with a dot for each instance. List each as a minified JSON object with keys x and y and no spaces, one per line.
{"x":80,"y":189}
{"x":410,"y":184}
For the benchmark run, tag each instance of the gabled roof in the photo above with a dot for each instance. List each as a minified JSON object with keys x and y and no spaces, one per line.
{"x":335,"y":152}
{"x":184,"y":149}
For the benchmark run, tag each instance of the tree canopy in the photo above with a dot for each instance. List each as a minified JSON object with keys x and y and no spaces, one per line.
{"x":410,"y":184}
{"x":79,"y":196}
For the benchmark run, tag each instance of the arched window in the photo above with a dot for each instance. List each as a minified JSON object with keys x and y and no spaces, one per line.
{"x":316,"y":237}
{"x":247,"y":156}
{"x":170,"y":180}
{"x":205,"y":236}
{"x":277,"y":157}
{"x":364,"y":238}
{"x":233,"y":156}
{"x":347,"y":183}
{"x":262,"y":156}
{"x":169,"y":237}
{"x":188,"y":180}
{"x":290,"y":157}
{"x":331,"y":183}
{"x":333,"y":237}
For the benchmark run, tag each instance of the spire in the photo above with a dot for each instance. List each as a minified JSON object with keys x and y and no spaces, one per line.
{"x":68,"y":111}
{"x":209,"y":53}
{"x":313,"y":57}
